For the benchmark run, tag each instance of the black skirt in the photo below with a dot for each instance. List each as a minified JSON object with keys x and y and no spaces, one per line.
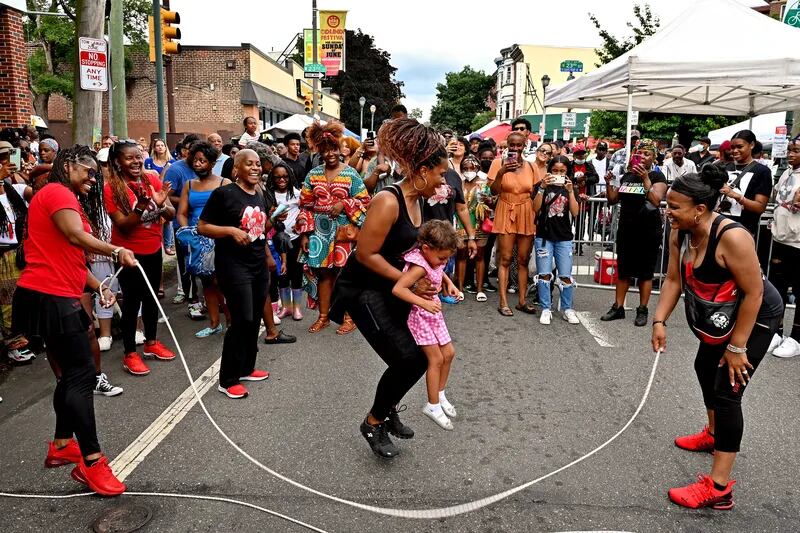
{"x":36,"y":314}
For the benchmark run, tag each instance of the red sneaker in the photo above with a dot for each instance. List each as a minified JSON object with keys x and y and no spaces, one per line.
{"x":99,"y":478}
{"x":703,"y":494}
{"x":133,"y":363}
{"x":159,"y":351}
{"x":69,"y":454}
{"x":237,"y":391}
{"x":699,"y":442}
{"x":256,"y":375}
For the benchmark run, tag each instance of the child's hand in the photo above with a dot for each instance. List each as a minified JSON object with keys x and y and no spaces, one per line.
{"x":432,"y":306}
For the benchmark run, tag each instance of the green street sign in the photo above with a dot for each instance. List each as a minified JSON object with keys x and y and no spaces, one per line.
{"x":572,"y":65}
{"x":792,"y":14}
{"x":315,"y":67}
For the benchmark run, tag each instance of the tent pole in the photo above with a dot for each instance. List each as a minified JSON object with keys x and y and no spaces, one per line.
{"x":751,"y":113}
{"x":628,"y":128}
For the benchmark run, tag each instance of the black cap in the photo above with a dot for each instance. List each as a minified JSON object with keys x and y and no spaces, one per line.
{"x":705,"y":140}
{"x":601,"y":146}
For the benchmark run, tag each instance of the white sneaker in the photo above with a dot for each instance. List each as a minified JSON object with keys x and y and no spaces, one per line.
{"x":774,"y":343}
{"x":545,"y":317}
{"x":571,"y":316}
{"x":102,"y":386}
{"x":105,"y":343}
{"x":21,"y":355}
{"x":139,"y":338}
{"x":448,"y":408}
{"x":276,"y":319}
{"x":788,"y":348}
{"x":436,"y":413}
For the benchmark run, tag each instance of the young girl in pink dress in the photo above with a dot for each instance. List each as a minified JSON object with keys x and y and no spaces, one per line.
{"x":437,"y":243}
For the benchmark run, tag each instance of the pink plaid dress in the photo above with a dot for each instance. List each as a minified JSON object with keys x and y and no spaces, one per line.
{"x":426,"y":328}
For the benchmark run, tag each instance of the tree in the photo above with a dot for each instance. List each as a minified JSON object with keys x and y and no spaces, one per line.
{"x":654,"y":125}
{"x":463,"y":96}
{"x":482,"y":119}
{"x":416,"y":113}
{"x":51,"y":65}
{"x":368,"y":73}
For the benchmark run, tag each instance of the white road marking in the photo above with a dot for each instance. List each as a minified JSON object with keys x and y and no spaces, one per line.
{"x":594,"y":330}
{"x":127,"y":461}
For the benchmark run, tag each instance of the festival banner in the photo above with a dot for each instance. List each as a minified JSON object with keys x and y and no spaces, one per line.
{"x":332,"y":29}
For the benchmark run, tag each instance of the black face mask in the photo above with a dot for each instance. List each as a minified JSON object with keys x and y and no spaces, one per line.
{"x":486,"y":165}
{"x":202,"y":174}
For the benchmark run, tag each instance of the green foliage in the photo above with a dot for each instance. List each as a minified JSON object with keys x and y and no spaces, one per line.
{"x":416,"y":113}
{"x":653,"y":125}
{"x":368,"y":73}
{"x":482,"y":119}
{"x":461,"y":98}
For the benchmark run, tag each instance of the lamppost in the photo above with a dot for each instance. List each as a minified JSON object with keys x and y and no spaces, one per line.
{"x":545,"y":83}
{"x":372,"y":110}
{"x":361,"y":102}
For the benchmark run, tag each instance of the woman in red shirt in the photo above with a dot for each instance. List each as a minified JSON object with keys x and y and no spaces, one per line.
{"x":47,"y":305}
{"x":137,"y":203}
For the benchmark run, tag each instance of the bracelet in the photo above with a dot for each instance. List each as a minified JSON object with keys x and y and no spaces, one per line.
{"x":115,"y":254}
{"x":471,"y":237}
{"x":735,"y":349}
{"x":662,"y":322}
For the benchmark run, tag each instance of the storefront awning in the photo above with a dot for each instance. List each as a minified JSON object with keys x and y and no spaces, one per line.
{"x":255,"y":94}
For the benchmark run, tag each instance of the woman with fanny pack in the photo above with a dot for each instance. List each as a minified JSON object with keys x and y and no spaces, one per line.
{"x":784,"y":269}
{"x":730,"y":307}
{"x":195,"y":194}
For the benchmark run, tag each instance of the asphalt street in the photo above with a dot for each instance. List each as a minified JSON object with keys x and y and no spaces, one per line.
{"x":530,"y":398}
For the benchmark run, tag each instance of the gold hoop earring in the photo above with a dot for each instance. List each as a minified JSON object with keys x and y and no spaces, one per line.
{"x":696,"y":219}
{"x":414,"y":184}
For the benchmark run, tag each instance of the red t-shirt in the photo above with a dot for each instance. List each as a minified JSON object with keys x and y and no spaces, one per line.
{"x":53,"y":265}
{"x":145,"y":238}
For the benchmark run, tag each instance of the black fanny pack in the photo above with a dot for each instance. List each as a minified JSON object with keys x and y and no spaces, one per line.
{"x":712,"y":321}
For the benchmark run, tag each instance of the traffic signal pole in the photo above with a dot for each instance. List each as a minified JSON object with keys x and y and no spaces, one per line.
{"x":170,"y":87}
{"x":315,"y":81}
{"x":162,"y":126}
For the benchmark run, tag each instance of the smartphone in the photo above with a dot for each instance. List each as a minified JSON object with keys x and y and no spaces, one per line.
{"x":16,"y":158}
{"x":279,"y":211}
{"x":636,"y":159}
{"x":370,"y":135}
{"x":559,"y":179}
{"x":511,"y":157}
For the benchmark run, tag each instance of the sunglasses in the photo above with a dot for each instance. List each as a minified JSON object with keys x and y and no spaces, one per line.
{"x":520,"y":128}
{"x":546,"y":152}
{"x":90,"y":171}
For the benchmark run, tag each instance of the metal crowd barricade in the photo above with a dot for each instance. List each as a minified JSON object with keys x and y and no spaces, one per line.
{"x":596,"y":229}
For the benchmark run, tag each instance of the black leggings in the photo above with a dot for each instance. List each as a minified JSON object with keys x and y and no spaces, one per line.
{"x":784,"y":272}
{"x":73,"y":399}
{"x":382,"y":319}
{"x":245,"y":300}
{"x":134,"y":294}
{"x":715,"y":383}
{"x":294,"y":270}
{"x":188,"y":281}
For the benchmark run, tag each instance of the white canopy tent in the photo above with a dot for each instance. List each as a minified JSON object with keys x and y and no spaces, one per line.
{"x":763,"y":126}
{"x":296,"y":124}
{"x":717,"y":58}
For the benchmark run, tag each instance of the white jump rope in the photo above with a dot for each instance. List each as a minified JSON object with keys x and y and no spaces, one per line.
{"x":429,"y":514}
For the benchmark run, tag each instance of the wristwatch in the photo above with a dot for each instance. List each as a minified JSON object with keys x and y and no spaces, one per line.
{"x":115,"y":254}
{"x":139,"y":211}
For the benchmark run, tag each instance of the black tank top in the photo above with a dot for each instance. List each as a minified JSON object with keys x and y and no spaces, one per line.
{"x":711,"y":275}
{"x":401,"y":238}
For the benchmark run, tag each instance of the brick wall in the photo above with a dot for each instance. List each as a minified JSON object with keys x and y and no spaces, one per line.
{"x":16,"y":106}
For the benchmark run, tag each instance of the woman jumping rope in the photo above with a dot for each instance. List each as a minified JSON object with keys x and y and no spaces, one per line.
{"x":437,"y":243}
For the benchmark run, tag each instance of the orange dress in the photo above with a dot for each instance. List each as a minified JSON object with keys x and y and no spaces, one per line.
{"x":514,"y":211}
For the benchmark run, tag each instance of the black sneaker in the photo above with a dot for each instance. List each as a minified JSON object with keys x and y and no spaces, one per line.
{"x":641,"y":316}
{"x":615,"y":313}
{"x":396,"y":427}
{"x":378,"y":440}
{"x":470,"y":288}
{"x":488,"y":287}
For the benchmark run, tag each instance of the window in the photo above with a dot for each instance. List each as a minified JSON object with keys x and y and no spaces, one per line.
{"x":508,"y":74}
{"x":508,"y":110}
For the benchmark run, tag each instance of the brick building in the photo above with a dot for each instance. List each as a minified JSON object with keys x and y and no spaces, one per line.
{"x":215,"y":88}
{"x":16,"y":106}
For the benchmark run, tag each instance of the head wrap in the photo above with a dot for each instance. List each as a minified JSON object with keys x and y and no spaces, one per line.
{"x":647,"y":144}
{"x":52,"y":143}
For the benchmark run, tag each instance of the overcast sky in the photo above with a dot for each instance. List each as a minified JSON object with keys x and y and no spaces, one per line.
{"x":426,"y":38}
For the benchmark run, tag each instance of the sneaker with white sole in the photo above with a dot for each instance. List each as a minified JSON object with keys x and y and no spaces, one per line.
{"x":545,"y":317}
{"x":21,"y":356}
{"x":102,"y":386}
{"x":788,"y":348}
{"x":448,"y":408}
{"x":774,"y":343}
{"x":105,"y":343}
{"x":436,"y":413}
{"x":139,"y":337}
{"x":571,"y":316}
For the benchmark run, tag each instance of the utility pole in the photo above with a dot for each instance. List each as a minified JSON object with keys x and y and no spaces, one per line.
{"x":118,"y":94}
{"x":162,"y":126}
{"x":315,"y":81}
{"x":87,"y":106}
{"x":170,"y":87}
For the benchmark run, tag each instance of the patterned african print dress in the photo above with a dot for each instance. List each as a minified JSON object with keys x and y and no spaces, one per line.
{"x":317,"y":197}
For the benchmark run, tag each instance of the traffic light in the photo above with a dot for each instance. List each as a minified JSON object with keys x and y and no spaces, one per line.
{"x":308,"y":102}
{"x":169,"y":33}
{"x":319,"y":106}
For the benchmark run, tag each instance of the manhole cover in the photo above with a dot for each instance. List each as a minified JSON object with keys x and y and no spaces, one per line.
{"x":122,"y":519}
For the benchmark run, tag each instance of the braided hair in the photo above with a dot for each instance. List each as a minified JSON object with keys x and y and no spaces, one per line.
{"x":93,"y":206}
{"x":289,"y":174}
{"x":119,"y":189}
{"x":411,"y":144}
